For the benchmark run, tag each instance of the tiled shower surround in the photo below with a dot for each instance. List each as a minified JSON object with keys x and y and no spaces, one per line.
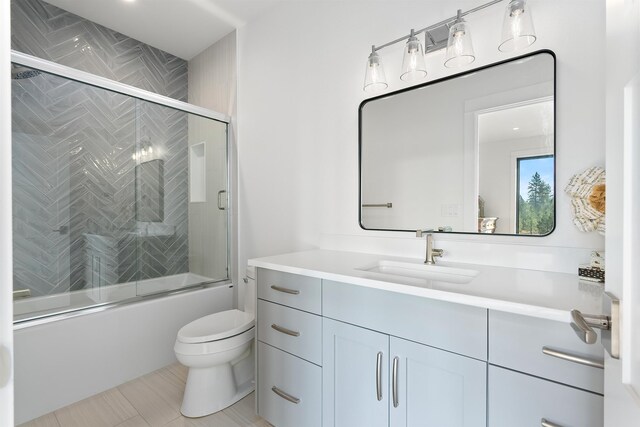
{"x":74,"y":178}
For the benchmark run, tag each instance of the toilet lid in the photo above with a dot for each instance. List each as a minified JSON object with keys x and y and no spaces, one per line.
{"x":216,"y":326}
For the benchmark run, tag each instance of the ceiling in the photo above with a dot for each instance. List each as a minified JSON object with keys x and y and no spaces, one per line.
{"x":514,"y":123}
{"x":183,"y":28}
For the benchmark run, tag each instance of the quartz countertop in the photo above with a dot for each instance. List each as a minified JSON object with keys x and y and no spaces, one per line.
{"x":534,"y":293}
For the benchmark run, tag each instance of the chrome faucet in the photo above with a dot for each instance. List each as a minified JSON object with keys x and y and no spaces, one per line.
{"x":432,"y":253}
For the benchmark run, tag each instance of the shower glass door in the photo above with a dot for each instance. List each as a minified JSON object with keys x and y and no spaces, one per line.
{"x":73,"y":187}
{"x":181,"y":199}
{"x":114,"y":197}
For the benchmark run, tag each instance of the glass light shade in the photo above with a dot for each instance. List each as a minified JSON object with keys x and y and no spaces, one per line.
{"x":517,"y":28}
{"x":459,"y":46}
{"x":374,"y":78}
{"x":413,"y":65}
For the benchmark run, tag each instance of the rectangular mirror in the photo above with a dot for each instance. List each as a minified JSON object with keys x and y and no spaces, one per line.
{"x":470,"y":153}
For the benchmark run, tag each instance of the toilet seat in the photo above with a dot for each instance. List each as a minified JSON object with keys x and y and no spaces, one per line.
{"x":215,"y":327}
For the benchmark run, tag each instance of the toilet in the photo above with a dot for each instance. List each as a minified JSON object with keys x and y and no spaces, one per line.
{"x":218,"y":350}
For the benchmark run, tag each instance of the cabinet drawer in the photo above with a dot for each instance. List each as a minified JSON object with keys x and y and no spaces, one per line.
{"x":517,"y":399}
{"x":293,"y":331}
{"x":516,"y":342}
{"x":293,"y":378}
{"x":292,"y":290}
{"x":453,"y":327}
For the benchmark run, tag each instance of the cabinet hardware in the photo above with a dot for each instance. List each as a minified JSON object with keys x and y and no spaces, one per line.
{"x":394,"y":381}
{"x":285,"y":330}
{"x":573,"y":358}
{"x":379,"y":376}
{"x":285,"y":395}
{"x":285,"y":290}
{"x":545,"y":423}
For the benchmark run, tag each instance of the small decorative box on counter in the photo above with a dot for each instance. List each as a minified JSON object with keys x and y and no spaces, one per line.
{"x":595,"y":270}
{"x":593,"y":274}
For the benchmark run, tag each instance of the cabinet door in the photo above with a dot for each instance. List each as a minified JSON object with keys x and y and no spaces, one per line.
{"x":355,"y":376}
{"x":436,"y":388}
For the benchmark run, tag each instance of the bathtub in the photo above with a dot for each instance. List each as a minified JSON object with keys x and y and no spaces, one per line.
{"x":65,"y":358}
{"x":41,"y":306}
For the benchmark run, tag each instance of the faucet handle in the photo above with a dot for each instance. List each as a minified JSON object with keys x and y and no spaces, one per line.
{"x":437,"y":253}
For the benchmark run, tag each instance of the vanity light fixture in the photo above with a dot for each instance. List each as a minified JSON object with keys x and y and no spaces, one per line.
{"x":517,"y":27}
{"x":413,"y":65}
{"x":459,"y":45}
{"x":374,"y":78}
{"x":453,"y":34}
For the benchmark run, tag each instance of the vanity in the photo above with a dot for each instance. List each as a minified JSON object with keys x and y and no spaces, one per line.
{"x":350,"y":339}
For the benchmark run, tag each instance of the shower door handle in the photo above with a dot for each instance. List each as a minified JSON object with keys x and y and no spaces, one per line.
{"x":220,"y":198}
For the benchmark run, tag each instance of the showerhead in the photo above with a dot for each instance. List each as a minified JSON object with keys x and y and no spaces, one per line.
{"x":19,"y":72}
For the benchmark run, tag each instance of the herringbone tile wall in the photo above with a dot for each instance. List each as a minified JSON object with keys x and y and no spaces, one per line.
{"x":48,"y":32}
{"x":74,"y":177}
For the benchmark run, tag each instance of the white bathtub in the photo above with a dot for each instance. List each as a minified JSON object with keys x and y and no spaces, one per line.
{"x":60,"y":362}
{"x":38,"y":306}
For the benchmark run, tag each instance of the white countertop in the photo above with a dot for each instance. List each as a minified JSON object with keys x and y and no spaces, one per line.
{"x":528,"y":292}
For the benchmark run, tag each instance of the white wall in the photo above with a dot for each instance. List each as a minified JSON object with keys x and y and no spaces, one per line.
{"x":6,"y":232}
{"x":64,"y":361}
{"x":301,"y":70}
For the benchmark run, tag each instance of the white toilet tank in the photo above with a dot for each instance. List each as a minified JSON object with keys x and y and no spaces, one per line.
{"x":249,"y":305}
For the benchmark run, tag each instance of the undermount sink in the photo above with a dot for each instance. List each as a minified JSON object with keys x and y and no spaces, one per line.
{"x":422,"y":271}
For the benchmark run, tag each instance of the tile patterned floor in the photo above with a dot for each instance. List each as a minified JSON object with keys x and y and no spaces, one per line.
{"x":151,"y":400}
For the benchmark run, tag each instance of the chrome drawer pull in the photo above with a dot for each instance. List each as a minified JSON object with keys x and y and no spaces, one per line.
{"x":379,"y":376}
{"x":285,"y":290}
{"x":284,"y":395}
{"x":285,"y":330}
{"x":545,"y":423}
{"x":573,"y":358}
{"x":394,"y":382}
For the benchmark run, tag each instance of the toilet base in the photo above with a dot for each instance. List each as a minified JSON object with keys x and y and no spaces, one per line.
{"x":210,"y":390}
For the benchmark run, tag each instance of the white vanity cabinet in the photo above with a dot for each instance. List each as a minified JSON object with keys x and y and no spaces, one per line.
{"x":372,"y":379}
{"x":335,"y":354}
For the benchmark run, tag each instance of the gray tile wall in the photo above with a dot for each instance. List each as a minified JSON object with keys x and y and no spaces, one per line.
{"x":72,"y":157}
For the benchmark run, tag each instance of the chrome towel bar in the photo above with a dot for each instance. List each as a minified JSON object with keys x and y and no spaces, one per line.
{"x":378,"y":205}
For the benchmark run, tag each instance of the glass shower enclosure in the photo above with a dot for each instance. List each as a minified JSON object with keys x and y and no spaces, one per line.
{"x":117,"y":193}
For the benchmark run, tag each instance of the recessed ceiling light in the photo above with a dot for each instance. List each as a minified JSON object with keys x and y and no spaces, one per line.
{"x":516,"y":128}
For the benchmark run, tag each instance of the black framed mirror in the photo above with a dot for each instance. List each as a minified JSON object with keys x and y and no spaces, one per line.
{"x":469,"y":153}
